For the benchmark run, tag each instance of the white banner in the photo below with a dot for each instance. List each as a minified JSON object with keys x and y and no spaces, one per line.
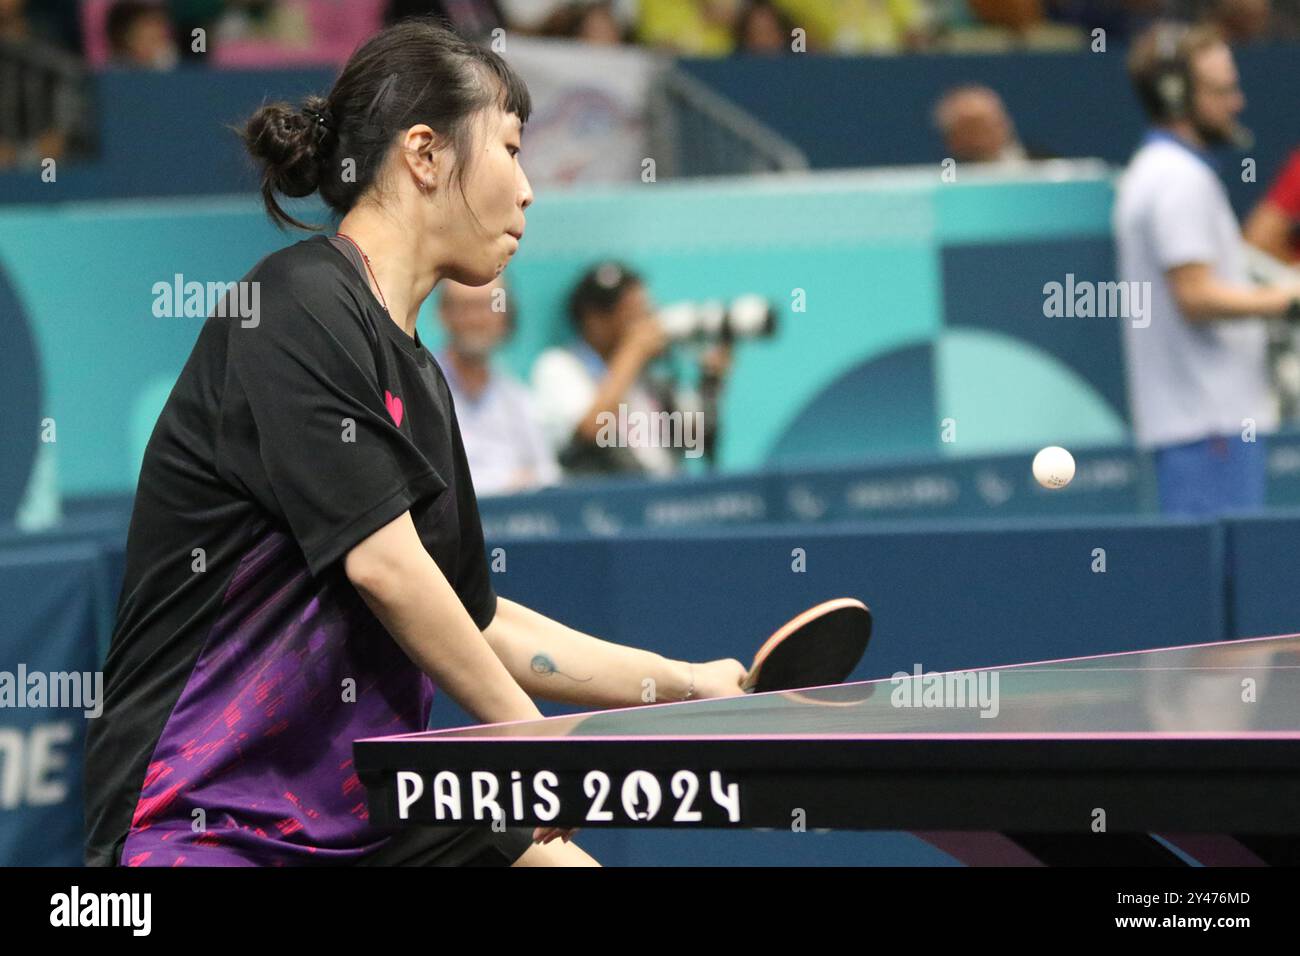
{"x":589,"y":109}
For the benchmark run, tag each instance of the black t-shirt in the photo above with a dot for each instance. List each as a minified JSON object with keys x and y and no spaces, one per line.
{"x":243,"y":663}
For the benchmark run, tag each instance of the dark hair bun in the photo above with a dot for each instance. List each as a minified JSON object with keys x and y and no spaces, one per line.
{"x":288,"y":144}
{"x":415,"y":71}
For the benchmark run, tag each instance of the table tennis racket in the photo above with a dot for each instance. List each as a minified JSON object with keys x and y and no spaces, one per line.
{"x":820,"y":646}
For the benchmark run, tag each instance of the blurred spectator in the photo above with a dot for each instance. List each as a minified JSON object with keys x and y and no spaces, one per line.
{"x":1120,"y":19}
{"x":1286,"y":20}
{"x":504,"y":443}
{"x":472,"y":18}
{"x":188,"y":16}
{"x":528,"y":15}
{"x":1018,"y":16}
{"x":140,"y":36}
{"x":591,"y":21}
{"x":1197,"y":353}
{"x":976,"y":128}
{"x":862,"y":26}
{"x":1239,"y":20}
{"x":601,"y":380}
{"x":20,"y":24}
{"x":1242,"y":21}
{"x":1274,"y":224}
{"x":14,"y":25}
{"x":703,"y":28}
{"x":762,"y":28}
{"x":39,"y":77}
{"x":258,"y":34}
{"x":274,"y":21}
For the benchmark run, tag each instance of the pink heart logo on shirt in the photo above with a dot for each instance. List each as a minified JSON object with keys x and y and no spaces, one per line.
{"x":394,"y":404}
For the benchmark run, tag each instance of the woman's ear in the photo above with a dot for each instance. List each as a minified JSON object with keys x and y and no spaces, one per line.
{"x":421,"y":151}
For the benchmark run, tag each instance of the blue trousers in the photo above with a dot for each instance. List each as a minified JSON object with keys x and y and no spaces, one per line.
{"x":1212,"y":476}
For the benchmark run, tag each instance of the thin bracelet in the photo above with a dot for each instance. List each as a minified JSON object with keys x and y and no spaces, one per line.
{"x":690,"y":691}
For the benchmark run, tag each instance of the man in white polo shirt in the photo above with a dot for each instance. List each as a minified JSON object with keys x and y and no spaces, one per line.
{"x":1198,"y":373}
{"x":504,"y":444}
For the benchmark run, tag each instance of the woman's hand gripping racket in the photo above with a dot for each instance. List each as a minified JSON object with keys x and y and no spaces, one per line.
{"x":820,"y":646}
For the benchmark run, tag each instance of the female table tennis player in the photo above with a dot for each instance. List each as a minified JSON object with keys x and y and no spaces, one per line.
{"x":305,"y":558}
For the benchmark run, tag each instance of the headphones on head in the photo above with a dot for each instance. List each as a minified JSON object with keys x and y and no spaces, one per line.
{"x":1166,"y":89}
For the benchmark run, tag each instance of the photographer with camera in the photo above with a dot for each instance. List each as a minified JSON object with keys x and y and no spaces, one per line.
{"x":595,"y":392}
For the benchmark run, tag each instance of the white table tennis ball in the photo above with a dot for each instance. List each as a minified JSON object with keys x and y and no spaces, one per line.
{"x":1054,"y":467}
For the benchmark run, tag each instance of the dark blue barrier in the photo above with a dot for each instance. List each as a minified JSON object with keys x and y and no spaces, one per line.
{"x":609,"y":508}
{"x":1109,"y":481}
{"x":875,"y":111}
{"x":944,"y":596}
{"x":104,"y":530}
{"x":1263,"y":595}
{"x":52,"y":607}
{"x":1284,"y":470}
{"x":152,"y":124}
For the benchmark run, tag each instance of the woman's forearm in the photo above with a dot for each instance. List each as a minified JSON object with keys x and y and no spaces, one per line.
{"x":555,"y":662}
{"x":414,"y":601}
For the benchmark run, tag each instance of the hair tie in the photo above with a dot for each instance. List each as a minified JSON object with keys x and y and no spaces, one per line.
{"x":322,"y":123}
{"x":316,"y":116}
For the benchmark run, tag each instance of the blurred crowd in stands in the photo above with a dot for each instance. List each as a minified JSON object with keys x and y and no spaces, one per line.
{"x":521,"y":434}
{"x":159,"y":34}
{"x":46,"y":46}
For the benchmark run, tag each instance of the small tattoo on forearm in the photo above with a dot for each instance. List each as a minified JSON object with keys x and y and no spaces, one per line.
{"x":542,"y":664}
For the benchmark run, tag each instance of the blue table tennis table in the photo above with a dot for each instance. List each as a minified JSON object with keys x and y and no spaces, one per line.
{"x":1182,"y":755}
